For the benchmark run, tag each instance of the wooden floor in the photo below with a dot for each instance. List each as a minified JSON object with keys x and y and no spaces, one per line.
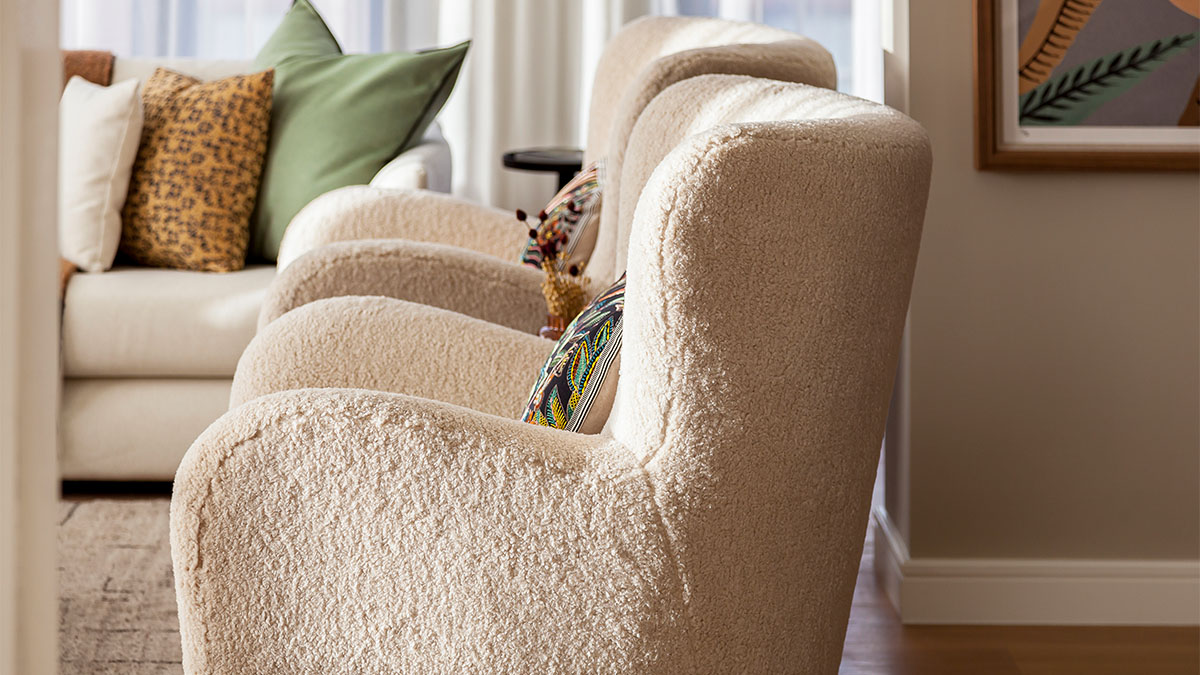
{"x":877,"y":644}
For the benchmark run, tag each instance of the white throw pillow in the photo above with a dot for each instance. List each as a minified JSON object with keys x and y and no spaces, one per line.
{"x":98,"y":133}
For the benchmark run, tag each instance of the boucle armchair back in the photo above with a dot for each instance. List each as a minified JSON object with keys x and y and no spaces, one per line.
{"x":769,"y":270}
{"x":632,"y":62}
{"x":670,"y":118}
{"x":651,"y":54}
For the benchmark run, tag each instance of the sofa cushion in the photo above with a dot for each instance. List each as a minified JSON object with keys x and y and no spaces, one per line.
{"x":144,"y":322}
{"x":134,"y":428}
{"x":196,"y":176}
{"x":98,"y":132}
{"x":205,"y":70}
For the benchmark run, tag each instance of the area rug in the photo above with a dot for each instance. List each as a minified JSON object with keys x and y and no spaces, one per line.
{"x":116,"y":593}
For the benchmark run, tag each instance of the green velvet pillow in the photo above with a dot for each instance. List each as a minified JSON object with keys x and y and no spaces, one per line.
{"x":337,"y":119}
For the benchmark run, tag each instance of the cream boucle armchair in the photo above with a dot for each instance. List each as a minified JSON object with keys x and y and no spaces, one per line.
{"x":714,"y":526}
{"x":446,"y":252}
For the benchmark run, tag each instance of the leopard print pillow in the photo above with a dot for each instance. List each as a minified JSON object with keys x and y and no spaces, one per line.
{"x":196,"y":175}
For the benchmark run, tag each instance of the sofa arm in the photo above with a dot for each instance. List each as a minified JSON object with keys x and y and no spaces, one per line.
{"x":426,"y":166}
{"x":366,"y":212}
{"x":391,"y":345}
{"x":463,"y":281}
{"x":345,"y":531}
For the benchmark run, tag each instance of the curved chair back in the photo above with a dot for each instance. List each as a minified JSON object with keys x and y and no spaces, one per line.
{"x":652,"y":53}
{"x":770,"y":262}
{"x":641,"y":42}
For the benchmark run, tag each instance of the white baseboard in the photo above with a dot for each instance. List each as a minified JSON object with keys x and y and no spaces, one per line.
{"x":1033,"y":592}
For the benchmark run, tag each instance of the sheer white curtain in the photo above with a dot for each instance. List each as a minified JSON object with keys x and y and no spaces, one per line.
{"x":529,"y":75}
{"x":526,"y":79}
{"x":525,"y":84}
{"x":208,"y":29}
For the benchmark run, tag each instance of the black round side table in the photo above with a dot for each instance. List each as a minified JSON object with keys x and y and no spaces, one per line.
{"x":566,"y":162}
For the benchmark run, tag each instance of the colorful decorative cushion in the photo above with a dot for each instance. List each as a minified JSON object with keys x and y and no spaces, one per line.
{"x":576,"y":387}
{"x":337,"y":120}
{"x":575,"y":210}
{"x":196,"y":175}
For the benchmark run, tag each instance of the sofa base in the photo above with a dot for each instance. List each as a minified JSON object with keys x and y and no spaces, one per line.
{"x":134,"y":429}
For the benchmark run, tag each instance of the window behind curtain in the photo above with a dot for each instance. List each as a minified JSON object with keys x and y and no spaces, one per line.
{"x":208,"y":29}
{"x":480,"y":120}
{"x":236,"y":29}
{"x":842,"y":26}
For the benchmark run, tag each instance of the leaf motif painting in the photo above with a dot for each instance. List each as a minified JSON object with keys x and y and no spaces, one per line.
{"x":1079,"y":56}
{"x":1087,"y":84}
{"x":1052,"y":33}
{"x":1072,"y":96}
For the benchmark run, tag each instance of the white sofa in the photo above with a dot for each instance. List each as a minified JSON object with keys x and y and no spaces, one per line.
{"x":148,"y":355}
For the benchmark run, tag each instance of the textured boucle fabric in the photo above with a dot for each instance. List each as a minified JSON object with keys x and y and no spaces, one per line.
{"x":644,"y":58}
{"x":769,"y":272}
{"x":636,"y":47}
{"x":392,"y":345}
{"x":707,"y":101}
{"x":366,"y":212}
{"x":714,"y":526}
{"x":338,"y":531}
{"x":467,"y":282}
{"x":787,"y":60}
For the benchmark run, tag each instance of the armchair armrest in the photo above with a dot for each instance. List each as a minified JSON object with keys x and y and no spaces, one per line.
{"x":367,"y":212}
{"x":391,"y":345}
{"x":353,"y":531}
{"x":427,"y":166}
{"x":463,"y":281}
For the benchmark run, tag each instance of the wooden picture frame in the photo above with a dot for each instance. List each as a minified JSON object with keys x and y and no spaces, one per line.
{"x":991,"y":153}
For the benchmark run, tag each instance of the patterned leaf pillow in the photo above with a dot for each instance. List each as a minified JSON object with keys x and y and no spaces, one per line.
{"x":576,"y":386}
{"x":575,"y":210}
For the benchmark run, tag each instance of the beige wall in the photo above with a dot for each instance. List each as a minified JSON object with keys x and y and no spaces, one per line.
{"x":1055,"y":352}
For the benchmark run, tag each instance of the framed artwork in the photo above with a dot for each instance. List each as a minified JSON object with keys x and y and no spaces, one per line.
{"x":1087,"y":84}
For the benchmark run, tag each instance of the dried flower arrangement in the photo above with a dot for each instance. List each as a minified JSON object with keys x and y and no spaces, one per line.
{"x":563,"y":287}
